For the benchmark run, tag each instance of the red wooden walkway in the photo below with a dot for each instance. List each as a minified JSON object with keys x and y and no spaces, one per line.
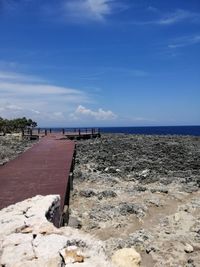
{"x":43,"y":169}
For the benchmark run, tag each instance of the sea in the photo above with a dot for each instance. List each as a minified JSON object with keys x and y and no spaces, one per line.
{"x":155,"y":130}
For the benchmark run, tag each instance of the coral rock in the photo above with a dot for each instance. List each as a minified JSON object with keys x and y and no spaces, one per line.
{"x":72,"y":256}
{"x":126,"y":257}
{"x":188,"y":248}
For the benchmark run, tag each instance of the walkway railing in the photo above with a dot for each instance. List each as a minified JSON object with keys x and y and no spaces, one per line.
{"x":68,"y":132}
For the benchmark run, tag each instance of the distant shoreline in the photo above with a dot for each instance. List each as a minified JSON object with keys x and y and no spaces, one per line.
{"x":146,"y":130}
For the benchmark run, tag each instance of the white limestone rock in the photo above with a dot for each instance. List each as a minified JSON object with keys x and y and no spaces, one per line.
{"x":188,"y":248}
{"x":53,"y":262}
{"x":46,"y":246}
{"x":28,"y":239}
{"x":16,"y":254}
{"x":16,"y":239}
{"x":177,"y":217}
{"x":144,"y":173}
{"x":72,"y":255}
{"x":126,"y":257}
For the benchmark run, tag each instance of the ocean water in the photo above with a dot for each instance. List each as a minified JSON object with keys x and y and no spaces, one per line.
{"x":161,"y":130}
{"x":156,"y":130}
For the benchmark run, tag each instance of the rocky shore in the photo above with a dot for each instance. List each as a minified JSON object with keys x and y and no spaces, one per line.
{"x":141,"y":191}
{"x":130,"y":192}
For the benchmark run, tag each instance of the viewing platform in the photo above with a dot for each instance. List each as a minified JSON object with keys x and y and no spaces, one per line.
{"x":70,"y":133}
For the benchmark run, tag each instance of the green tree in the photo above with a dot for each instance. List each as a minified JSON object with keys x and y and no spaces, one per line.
{"x":1,"y":124}
{"x":15,"y":125}
{"x":5,"y":126}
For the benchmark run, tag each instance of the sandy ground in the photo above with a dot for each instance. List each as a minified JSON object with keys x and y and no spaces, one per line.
{"x":141,"y":191}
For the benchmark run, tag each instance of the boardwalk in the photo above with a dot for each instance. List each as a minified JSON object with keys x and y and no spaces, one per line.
{"x":44,"y":169}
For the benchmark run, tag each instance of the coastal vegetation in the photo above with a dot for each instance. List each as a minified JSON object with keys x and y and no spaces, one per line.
{"x":16,"y":125}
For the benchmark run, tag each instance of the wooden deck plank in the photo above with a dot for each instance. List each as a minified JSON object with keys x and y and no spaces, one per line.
{"x":43,"y":169}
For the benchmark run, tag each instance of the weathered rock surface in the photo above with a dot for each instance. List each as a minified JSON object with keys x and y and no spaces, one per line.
{"x":148,"y":158}
{"x":28,"y":239}
{"x":156,"y":210}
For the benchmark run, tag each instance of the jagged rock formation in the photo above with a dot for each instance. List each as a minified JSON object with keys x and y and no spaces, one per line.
{"x":142,"y":192}
{"x":27,"y":238}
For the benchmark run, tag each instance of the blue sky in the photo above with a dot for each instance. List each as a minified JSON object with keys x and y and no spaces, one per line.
{"x":100,"y":62}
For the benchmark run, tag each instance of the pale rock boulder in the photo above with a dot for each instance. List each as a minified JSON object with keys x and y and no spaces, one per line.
{"x":48,"y":245}
{"x":9,"y":225}
{"x":177,"y":217}
{"x":20,"y":253}
{"x":126,"y":257}
{"x":28,"y":239}
{"x":15,"y":239}
{"x":52,"y":262}
{"x":144,"y":173}
{"x":72,"y":255}
{"x":188,"y":248}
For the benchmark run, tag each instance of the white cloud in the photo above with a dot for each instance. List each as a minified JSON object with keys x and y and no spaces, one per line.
{"x":10,"y":110}
{"x":59,"y":114}
{"x":39,"y":89}
{"x":10,"y":107}
{"x":152,"y":9}
{"x":35,"y":111}
{"x":172,"y":18}
{"x":13,"y":107}
{"x":100,"y":114}
{"x":24,"y":95}
{"x":95,"y":10}
{"x":12,"y":76}
{"x":26,"y":86}
{"x":68,"y":10}
{"x":184,"y":41}
{"x":176,"y":17}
